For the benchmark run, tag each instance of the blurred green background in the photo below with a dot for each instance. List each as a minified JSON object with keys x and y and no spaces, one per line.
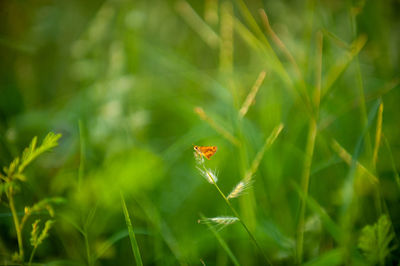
{"x":120,"y":80}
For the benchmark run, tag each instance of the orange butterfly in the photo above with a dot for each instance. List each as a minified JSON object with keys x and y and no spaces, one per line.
{"x":206,"y":151}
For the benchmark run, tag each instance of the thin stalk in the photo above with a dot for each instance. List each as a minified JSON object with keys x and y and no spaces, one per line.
{"x":89,"y":256}
{"x":252,"y":94}
{"x":309,"y":152}
{"x":305,"y":181}
{"x":279,"y":43}
{"x":379,"y":201}
{"x":32,"y":255}
{"x":240,"y":220}
{"x":197,"y":24}
{"x":16,"y":223}
{"x":348,"y":158}
{"x":221,"y":130}
{"x":82,"y":141}
{"x":363,"y":108}
{"x":378,"y":135}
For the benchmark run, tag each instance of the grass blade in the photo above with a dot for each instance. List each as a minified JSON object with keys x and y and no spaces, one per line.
{"x":378,"y":135}
{"x":135,"y":247}
{"x":109,"y":242}
{"x":305,"y":181}
{"x":346,"y":156}
{"x":82,"y":142}
{"x":332,"y":257}
{"x":197,"y":24}
{"x":256,"y":162}
{"x":330,"y":225}
{"x":200,"y":112}
{"x":250,"y":97}
{"x":279,"y":43}
{"x":157,"y":222}
{"x":396,"y":173}
{"x":226,"y":44}
{"x":336,"y":71}
{"x":222,"y":242}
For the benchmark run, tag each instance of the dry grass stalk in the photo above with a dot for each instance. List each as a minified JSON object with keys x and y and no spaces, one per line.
{"x":251,"y":96}
{"x":200,"y":112}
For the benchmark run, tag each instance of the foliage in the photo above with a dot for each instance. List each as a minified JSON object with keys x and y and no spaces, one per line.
{"x":133,"y":85}
{"x":17,"y":166}
{"x":15,"y":172}
{"x":376,"y":240}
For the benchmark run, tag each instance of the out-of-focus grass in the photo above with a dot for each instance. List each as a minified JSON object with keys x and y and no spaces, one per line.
{"x":135,"y":248}
{"x":121,"y":80}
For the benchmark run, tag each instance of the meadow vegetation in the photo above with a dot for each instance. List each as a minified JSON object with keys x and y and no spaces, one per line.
{"x":300,"y":97}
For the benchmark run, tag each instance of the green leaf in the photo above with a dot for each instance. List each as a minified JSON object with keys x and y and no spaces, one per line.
{"x":135,"y":247}
{"x":20,"y":177}
{"x":32,"y":152}
{"x":375,"y":240}
{"x":13,"y":166}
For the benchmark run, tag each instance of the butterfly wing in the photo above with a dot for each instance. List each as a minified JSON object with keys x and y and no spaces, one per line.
{"x":208,"y":151}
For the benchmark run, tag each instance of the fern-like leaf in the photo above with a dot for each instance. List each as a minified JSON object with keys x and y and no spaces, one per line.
{"x":31,"y":152}
{"x":375,"y":240}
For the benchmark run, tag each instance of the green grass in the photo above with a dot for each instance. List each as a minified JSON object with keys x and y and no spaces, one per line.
{"x":300,"y":97}
{"x":132,"y":238}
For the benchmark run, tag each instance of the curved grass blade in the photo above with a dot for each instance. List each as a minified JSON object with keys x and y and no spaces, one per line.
{"x":332,"y":228}
{"x":111,"y":241}
{"x":332,"y":257}
{"x":135,"y":247}
{"x":394,"y":169}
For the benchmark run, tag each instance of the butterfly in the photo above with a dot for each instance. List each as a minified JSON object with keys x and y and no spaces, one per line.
{"x":206,"y":151}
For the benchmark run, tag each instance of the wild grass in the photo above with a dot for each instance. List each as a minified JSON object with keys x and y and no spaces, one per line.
{"x":211,"y":177}
{"x":135,"y":247}
{"x":300,"y":98}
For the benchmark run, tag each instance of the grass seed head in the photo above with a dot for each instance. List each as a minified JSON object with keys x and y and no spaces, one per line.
{"x":220,"y":221}
{"x":208,"y":174}
{"x":239,"y":189}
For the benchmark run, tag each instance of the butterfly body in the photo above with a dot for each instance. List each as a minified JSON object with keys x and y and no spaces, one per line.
{"x":206,"y":151}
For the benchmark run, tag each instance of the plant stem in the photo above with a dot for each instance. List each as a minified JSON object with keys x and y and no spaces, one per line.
{"x":240,"y":220}
{"x":309,"y":152}
{"x":305,"y":180}
{"x":32,"y":254}
{"x":89,"y":256}
{"x":16,"y":223}
{"x":82,"y":140}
